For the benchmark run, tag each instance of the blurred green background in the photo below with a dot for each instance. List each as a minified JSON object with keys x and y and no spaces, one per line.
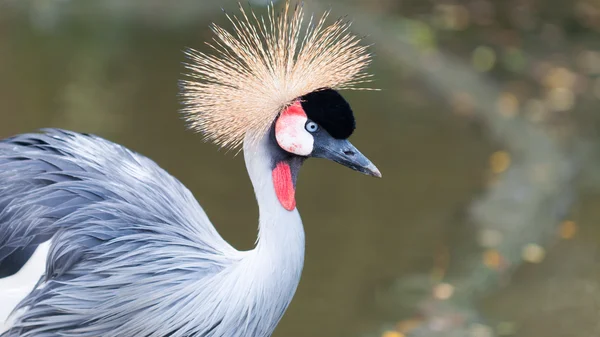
{"x":486,"y":132}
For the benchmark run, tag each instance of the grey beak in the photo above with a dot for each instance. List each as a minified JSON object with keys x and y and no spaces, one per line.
{"x":343,"y":152}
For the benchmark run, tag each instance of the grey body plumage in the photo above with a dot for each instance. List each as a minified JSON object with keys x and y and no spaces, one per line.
{"x":133,"y":253}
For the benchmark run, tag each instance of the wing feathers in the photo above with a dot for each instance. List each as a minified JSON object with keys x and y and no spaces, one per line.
{"x":116,"y":220}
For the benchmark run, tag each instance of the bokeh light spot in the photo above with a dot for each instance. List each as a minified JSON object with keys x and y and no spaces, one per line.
{"x":392,"y":334}
{"x":443,"y":291}
{"x":507,"y":104}
{"x":560,"y":99}
{"x":484,"y":58}
{"x":492,"y":259}
{"x":559,"y":78}
{"x":533,"y":253}
{"x":568,"y":229}
{"x":499,"y":161}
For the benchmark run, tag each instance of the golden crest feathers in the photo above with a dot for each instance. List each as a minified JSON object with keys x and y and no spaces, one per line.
{"x":262,"y":66}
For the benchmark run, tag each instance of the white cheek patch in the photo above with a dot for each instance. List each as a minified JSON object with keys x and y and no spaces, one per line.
{"x":290,"y":132}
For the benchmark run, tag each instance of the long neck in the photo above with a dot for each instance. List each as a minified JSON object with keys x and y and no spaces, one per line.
{"x":281,"y":235}
{"x":276,"y":261}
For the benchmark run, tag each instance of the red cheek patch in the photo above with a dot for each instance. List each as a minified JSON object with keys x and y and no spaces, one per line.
{"x":284,"y":187}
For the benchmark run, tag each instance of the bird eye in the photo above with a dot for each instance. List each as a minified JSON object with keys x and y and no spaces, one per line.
{"x":311,"y":127}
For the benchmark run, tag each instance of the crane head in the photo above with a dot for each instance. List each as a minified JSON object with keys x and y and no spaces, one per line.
{"x":318,"y":125}
{"x":274,"y":69}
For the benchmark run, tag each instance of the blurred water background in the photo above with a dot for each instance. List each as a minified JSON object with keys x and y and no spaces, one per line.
{"x":486,"y":132}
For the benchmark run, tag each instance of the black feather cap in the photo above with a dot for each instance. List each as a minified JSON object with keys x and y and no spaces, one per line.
{"x":331,"y":111}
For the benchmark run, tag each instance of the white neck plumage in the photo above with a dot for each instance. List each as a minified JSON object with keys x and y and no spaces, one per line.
{"x":275,"y":264}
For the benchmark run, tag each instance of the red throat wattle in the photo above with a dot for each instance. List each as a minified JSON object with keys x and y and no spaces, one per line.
{"x":284,"y":187}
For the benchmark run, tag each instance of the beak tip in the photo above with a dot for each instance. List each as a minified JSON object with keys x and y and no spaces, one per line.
{"x":374,"y":171}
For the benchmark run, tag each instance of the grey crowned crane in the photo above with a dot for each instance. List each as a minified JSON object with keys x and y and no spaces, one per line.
{"x":128,"y":251}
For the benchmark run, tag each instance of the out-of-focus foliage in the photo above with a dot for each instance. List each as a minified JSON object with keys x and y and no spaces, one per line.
{"x":486,"y":132}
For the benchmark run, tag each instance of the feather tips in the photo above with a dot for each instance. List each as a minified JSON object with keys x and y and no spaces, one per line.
{"x":263,"y":65}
